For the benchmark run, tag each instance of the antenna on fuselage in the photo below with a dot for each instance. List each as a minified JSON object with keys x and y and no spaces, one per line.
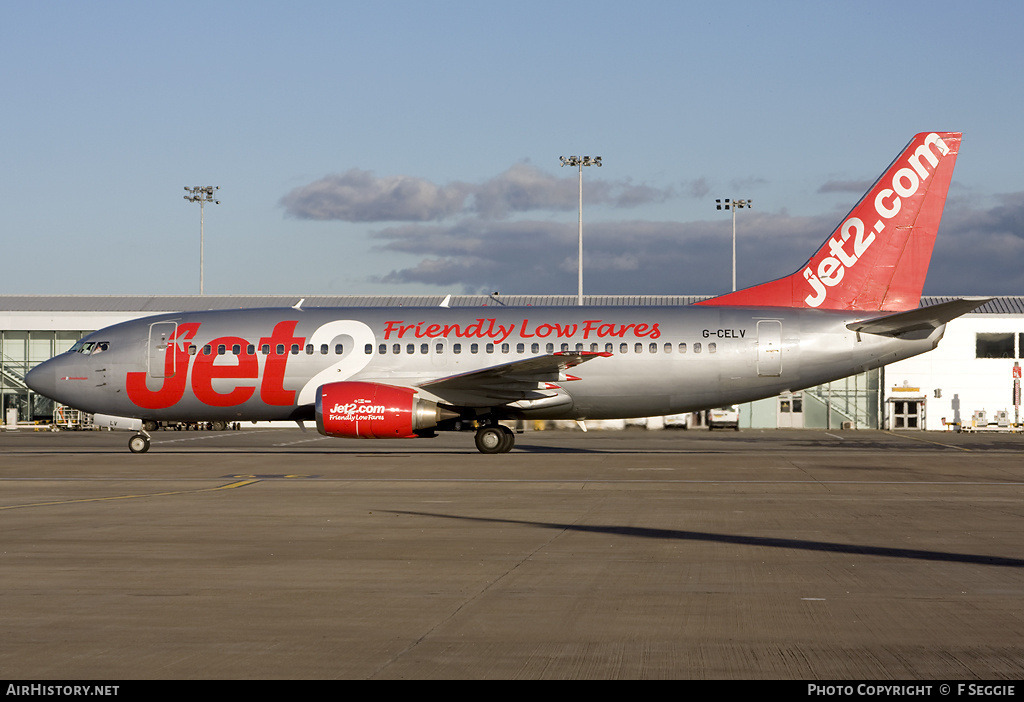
{"x":446,"y":302}
{"x":298,"y":305}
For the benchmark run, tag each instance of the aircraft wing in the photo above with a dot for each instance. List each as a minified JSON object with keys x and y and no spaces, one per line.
{"x":922,"y":320}
{"x":529,"y":379}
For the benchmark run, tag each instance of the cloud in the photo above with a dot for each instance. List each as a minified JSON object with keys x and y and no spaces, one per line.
{"x":360,"y":196}
{"x":979,"y":249}
{"x":978,"y":252}
{"x":626,"y":257}
{"x":481,"y":237}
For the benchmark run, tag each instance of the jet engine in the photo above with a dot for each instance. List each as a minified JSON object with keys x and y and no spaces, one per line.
{"x":374,"y":411}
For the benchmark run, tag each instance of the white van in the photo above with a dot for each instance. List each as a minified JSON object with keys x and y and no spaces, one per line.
{"x":725,"y":417}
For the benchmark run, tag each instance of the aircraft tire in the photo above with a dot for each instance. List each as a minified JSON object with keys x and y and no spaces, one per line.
{"x":138,"y":444}
{"x":494,"y":438}
{"x":510,"y":439}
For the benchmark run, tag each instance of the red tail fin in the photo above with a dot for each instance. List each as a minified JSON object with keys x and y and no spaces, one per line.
{"x":877,"y":259}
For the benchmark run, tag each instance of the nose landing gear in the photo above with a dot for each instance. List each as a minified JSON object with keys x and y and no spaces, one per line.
{"x":139,"y":443}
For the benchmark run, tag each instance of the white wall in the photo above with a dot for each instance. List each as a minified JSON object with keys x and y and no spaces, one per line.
{"x":981,"y":383}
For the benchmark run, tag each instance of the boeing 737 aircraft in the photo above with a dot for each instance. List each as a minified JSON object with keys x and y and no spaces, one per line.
{"x":411,"y":372}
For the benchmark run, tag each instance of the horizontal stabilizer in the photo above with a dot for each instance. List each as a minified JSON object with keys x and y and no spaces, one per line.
{"x":923,"y":319}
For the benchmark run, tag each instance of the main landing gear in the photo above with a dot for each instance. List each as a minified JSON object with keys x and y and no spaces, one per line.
{"x":494,"y":438}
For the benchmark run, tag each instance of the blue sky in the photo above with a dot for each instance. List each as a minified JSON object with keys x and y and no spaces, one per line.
{"x":412,"y":147}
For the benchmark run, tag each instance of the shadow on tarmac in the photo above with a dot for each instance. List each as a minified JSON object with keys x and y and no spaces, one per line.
{"x":770,"y":542}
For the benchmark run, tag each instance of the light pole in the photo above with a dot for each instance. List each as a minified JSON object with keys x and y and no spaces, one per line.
{"x":201,"y":195}
{"x":734,"y":205}
{"x":580,"y":161}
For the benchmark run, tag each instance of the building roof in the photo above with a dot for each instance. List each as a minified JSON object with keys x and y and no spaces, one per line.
{"x":155,"y":304}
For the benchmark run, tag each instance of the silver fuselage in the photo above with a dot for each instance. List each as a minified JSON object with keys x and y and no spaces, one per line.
{"x":267,"y":364}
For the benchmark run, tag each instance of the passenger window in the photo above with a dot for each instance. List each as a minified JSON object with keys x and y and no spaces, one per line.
{"x":265,"y":349}
{"x":474,"y":348}
{"x":535,"y":348}
{"x":609,"y":347}
{"x":192,"y":349}
{"x":280,"y":349}
{"x":682,"y":347}
{"x":424,"y":348}
{"x":623,"y":348}
{"x":550,"y":348}
{"x":382,"y":349}
{"x":410,"y":349}
{"x":654,"y":347}
{"x":339,"y":349}
{"x":323,"y":349}
{"x":250,"y":349}
{"x":520,"y":348}
{"x":221,"y":349}
{"x":504,"y":348}
{"x":295,"y":349}
{"x":668,"y":347}
{"x":456,"y":348}
{"x":712,"y":347}
{"x":309,"y":349}
{"x":696,"y":348}
{"x":490,"y":348}
{"x":397,"y":348}
{"x":439,"y":347}
{"x":368,"y":349}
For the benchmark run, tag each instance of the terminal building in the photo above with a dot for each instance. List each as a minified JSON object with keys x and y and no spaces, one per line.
{"x":968,"y":381}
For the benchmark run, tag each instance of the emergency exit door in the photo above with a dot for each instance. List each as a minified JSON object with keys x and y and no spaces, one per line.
{"x":769,"y":347}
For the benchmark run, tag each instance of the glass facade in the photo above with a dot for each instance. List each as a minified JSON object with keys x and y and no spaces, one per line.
{"x":20,"y":351}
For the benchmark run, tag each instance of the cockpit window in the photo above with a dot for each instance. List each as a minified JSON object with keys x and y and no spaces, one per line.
{"x":90,"y":348}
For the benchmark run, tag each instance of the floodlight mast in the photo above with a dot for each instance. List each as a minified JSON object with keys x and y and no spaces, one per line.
{"x":580,"y":161}
{"x":202,"y":195}
{"x":733,"y":205}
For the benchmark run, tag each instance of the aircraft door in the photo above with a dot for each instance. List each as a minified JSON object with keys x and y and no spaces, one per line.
{"x":161,"y":364}
{"x":769,"y":347}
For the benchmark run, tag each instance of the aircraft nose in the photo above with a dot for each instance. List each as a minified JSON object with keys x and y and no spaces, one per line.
{"x":43,"y":379}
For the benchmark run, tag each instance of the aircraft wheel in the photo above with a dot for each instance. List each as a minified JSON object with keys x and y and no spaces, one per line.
{"x":138,"y":444}
{"x":494,"y":438}
{"x":218,"y":425}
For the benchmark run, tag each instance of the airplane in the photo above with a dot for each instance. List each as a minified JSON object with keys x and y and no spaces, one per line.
{"x":410,"y":372}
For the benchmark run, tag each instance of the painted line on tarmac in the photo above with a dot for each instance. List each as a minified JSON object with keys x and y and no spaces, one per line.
{"x":229,"y":486}
{"x":301,"y":441}
{"x":215,"y":435}
{"x":935,"y":443}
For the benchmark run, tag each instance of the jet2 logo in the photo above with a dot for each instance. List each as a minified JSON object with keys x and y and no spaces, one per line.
{"x":887,"y":202}
{"x":360,"y":410}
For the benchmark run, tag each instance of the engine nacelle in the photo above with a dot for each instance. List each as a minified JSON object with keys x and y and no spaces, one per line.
{"x":373,"y":411}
